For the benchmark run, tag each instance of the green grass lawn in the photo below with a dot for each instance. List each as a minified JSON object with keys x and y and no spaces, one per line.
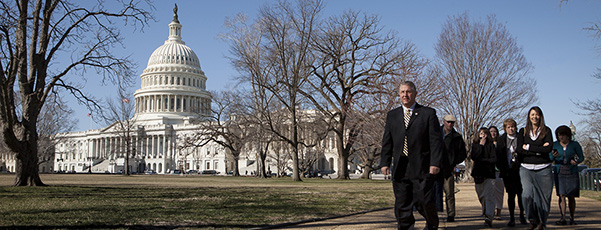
{"x":171,"y":201}
{"x":591,"y":194}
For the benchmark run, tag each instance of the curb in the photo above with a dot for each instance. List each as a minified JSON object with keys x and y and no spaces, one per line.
{"x":315,"y":220}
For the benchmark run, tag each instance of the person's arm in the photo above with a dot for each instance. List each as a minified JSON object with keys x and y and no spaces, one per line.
{"x":387,"y":146}
{"x":460,"y":152}
{"x":547,"y":145}
{"x":554,"y":154}
{"x":501,"y":153}
{"x":579,"y":152}
{"x":476,"y":151}
{"x":520,"y":143}
{"x":491,"y":153}
{"x":436,"y":144}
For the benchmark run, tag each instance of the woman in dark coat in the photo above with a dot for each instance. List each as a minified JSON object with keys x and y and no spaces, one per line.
{"x":484,"y":157}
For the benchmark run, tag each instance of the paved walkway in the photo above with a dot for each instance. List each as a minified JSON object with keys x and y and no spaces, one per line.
{"x":588,"y":216}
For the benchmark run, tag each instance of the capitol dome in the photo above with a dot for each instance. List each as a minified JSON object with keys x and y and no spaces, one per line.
{"x":173,"y":53}
{"x":173,"y":84}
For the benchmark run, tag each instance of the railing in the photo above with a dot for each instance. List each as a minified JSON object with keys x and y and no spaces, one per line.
{"x":590,"y":181}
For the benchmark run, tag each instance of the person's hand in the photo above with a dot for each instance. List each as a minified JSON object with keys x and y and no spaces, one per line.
{"x":546,"y":144}
{"x":555,"y":153}
{"x":434,"y":170}
{"x":525,"y":146}
{"x":385,"y":170}
{"x":574,"y":162}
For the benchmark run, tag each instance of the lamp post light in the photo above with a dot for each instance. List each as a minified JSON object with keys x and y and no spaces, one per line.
{"x":573,"y":128}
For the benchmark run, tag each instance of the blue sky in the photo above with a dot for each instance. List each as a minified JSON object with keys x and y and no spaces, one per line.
{"x":551,"y":35}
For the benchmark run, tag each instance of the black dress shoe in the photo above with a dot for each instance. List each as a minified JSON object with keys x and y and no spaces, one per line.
{"x":511,"y":223}
{"x":532,"y":226}
{"x":523,"y":220}
{"x":451,"y":219}
{"x":488,"y":222}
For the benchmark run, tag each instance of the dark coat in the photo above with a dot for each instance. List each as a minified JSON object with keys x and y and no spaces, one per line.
{"x":502,"y":164}
{"x":424,"y":140}
{"x":454,"y":149}
{"x":485,"y":157}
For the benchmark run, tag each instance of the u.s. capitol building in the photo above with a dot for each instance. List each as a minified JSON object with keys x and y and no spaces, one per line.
{"x":168,"y":106}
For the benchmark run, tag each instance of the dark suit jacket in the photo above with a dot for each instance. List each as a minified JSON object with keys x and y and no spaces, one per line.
{"x":424,"y":140}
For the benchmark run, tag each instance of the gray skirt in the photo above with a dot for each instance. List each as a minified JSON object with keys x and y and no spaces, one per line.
{"x":567,"y":184}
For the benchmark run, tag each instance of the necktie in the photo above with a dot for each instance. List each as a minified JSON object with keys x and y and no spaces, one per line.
{"x":407,"y":117}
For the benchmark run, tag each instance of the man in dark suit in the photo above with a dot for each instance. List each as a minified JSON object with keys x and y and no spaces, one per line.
{"x":412,"y":152}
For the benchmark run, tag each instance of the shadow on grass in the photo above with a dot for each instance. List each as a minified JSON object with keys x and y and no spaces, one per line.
{"x":135,"y":227}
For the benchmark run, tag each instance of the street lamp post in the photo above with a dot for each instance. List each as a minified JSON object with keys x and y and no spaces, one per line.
{"x":573,"y":128}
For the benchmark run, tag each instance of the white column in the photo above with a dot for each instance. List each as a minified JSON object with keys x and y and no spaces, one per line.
{"x":154,"y":146}
{"x":101,"y":147}
{"x":147,"y":146}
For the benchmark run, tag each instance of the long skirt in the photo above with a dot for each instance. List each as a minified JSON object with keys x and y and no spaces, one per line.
{"x":567,"y":184}
{"x":486,"y":197}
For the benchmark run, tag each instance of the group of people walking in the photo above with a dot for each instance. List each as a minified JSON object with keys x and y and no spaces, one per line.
{"x":420,"y":155}
{"x":529,"y":163}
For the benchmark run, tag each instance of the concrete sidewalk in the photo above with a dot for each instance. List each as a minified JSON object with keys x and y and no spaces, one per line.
{"x":588,"y":216}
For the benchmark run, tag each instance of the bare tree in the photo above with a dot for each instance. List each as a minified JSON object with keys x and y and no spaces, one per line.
{"x":186,"y":146}
{"x":591,"y":134}
{"x":307,"y":160}
{"x":276,"y":59}
{"x":483,"y":72}
{"x":281,"y":156}
{"x":353,"y":57}
{"x":119,"y":116}
{"x":227,"y":125}
{"x":55,"y":117}
{"x":369,"y":116}
{"x":33,"y":36}
{"x":590,"y":139}
{"x":262,"y":138}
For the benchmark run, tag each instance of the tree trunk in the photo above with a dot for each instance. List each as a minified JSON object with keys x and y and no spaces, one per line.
{"x":127,"y":154}
{"x":343,"y":165}
{"x":343,"y":155}
{"x":369,"y":163}
{"x":261,"y":172}
{"x":295,"y":168}
{"x":27,"y":169}
{"x":236,"y":170}
{"x":367,"y":169}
